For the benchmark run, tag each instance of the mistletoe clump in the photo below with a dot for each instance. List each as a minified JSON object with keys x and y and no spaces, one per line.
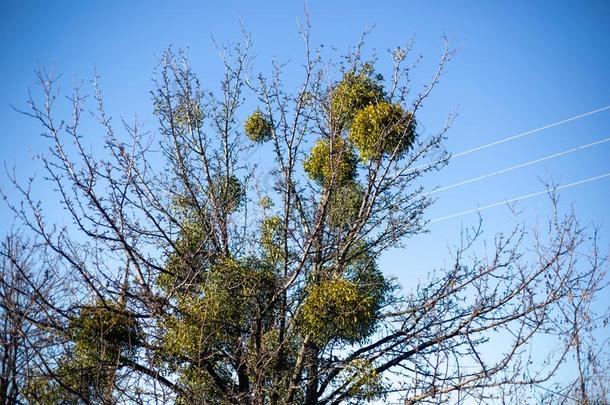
{"x":345,"y":307}
{"x":323,"y":162}
{"x":361,"y":269}
{"x":105,"y":329}
{"x":382,"y":129}
{"x":229,"y":193}
{"x":344,"y":205}
{"x":355,"y":91}
{"x":337,"y":309}
{"x":258,"y":127}
{"x":188,"y":114}
{"x":200,"y":387}
{"x":230,"y":295}
{"x":266,"y":202}
{"x":77,"y":381}
{"x":104,"y":336}
{"x":186,"y":266}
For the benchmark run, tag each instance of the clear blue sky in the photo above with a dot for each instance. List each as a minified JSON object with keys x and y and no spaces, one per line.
{"x":520,"y":65}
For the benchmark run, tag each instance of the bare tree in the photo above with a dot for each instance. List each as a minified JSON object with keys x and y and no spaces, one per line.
{"x":21,"y":292}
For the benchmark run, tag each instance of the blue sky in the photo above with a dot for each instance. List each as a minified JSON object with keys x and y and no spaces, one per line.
{"x":520,"y":65}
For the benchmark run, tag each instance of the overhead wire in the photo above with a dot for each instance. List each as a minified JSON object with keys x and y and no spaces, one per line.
{"x":531,"y":131}
{"x":508,"y":139}
{"x":520,"y":165}
{"x":523,"y":197}
{"x":517,"y":136}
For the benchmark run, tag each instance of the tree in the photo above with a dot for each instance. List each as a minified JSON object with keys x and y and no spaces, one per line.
{"x":21,"y":315}
{"x":13,"y":350}
{"x":210,"y":281}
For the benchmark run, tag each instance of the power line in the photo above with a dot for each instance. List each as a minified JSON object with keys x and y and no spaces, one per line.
{"x":519,"y":166}
{"x":517,"y":136}
{"x":531,"y":131}
{"x":523,"y":197}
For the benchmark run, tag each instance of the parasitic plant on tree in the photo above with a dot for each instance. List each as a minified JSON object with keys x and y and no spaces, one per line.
{"x":191,"y":275}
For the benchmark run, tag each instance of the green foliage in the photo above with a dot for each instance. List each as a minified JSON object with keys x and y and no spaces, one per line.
{"x":236,"y":290}
{"x":188,"y":114}
{"x":362,"y":270}
{"x":344,"y":306}
{"x":258,"y":127}
{"x":43,"y":390}
{"x":272,"y":236}
{"x":323,"y":162}
{"x":337,"y":309}
{"x":266,"y":202}
{"x":231,"y":294}
{"x":226,"y":326}
{"x":187,"y":264}
{"x":355,"y":91}
{"x":104,"y":332}
{"x":382,"y":129}
{"x":74,"y":381}
{"x":215,"y":319}
{"x":229,"y":193}
{"x":344,"y":205}
{"x":366,"y":383}
{"x":262,"y":349}
{"x":200,"y":387}
{"x":183,"y":204}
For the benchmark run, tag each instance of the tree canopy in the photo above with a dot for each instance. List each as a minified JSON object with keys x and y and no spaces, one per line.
{"x":205,"y":279}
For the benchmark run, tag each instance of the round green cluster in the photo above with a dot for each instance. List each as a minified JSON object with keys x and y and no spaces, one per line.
{"x":354,"y":92}
{"x":337,"y":309}
{"x":188,"y":114}
{"x":344,"y":205}
{"x":375,"y":128}
{"x":73,"y":381}
{"x":382,"y":129}
{"x":186,"y":265}
{"x":229,"y":192}
{"x":102,"y":332}
{"x":322,"y":163}
{"x":266,"y":202}
{"x":258,"y":127}
{"x":348,"y":304}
